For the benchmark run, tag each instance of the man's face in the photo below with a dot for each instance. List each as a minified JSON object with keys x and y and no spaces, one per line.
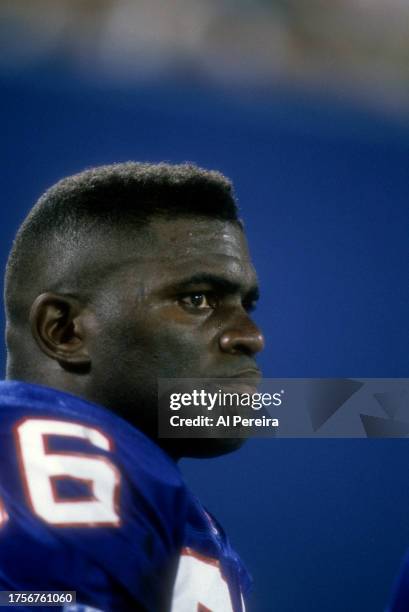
{"x":176,"y":305}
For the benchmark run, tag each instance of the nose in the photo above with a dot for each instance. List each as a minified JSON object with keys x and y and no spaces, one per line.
{"x":243,"y":337}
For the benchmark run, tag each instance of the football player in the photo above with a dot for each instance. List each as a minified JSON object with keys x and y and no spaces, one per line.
{"x":119,"y":276}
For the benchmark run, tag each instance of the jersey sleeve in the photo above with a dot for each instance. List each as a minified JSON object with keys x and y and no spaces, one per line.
{"x":89,"y":509}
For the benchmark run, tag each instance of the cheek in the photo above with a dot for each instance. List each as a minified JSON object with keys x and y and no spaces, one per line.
{"x":155,"y":343}
{"x":184,"y":345}
{"x":177,"y":353}
{"x":149,"y":351}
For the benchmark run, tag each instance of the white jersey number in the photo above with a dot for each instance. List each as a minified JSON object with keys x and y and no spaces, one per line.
{"x":42,"y":469}
{"x":200,"y":586}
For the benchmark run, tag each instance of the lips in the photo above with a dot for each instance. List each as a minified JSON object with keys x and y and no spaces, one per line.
{"x":243,"y":381}
{"x":253,"y":374}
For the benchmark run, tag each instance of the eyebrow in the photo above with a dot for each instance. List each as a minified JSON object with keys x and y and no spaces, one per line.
{"x":220,"y":283}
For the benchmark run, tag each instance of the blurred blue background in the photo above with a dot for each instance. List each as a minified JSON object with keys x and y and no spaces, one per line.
{"x":323,"y":185}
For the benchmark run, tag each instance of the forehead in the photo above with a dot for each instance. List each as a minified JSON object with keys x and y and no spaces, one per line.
{"x":185,"y":238}
{"x":167,"y":249}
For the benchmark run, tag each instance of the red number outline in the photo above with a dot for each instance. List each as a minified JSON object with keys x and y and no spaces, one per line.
{"x":46,"y":450}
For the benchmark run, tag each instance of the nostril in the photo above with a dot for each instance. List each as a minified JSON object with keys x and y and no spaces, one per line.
{"x":236,"y":342}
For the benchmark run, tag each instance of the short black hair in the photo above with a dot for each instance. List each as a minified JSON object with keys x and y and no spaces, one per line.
{"x":105,"y":197}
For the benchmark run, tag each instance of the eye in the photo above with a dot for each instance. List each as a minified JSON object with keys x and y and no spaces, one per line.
{"x":198,"y":301}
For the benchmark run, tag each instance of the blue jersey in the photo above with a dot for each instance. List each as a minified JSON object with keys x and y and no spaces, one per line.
{"x":90,"y":504}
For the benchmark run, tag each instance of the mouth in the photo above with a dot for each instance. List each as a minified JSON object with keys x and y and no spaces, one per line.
{"x":253,"y":374}
{"x":244,"y":381}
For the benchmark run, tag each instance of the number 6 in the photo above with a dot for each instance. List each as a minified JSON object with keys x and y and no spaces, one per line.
{"x":41,"y":468}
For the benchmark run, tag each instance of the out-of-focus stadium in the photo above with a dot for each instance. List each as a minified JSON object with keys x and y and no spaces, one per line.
{"x":355,"y":48}
{"x":304,"y":104}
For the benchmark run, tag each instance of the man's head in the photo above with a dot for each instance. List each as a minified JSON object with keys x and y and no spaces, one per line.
{"x":128,"y":273}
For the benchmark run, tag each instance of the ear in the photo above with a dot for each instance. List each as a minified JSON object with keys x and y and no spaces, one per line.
{"x":57,"y":325}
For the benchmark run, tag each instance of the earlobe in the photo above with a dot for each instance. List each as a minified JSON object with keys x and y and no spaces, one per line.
{"x":58,"y":328}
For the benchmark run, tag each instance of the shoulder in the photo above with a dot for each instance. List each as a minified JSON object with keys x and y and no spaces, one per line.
{"x":38,"y":416}
{"x":85,"y":494}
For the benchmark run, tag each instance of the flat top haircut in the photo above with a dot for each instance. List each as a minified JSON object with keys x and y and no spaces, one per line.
{"x":100,"y":199}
